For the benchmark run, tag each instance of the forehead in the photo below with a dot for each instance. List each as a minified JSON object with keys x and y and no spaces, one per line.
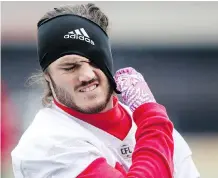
{"x":70,"y":59}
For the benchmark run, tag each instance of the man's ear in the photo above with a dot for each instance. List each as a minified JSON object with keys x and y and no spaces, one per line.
{"x":47,"y":77}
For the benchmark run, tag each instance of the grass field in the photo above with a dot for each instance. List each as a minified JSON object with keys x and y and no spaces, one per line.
{"x":205,"y":153}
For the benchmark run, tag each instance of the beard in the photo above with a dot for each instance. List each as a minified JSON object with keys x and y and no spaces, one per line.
{"x":66,"y":98}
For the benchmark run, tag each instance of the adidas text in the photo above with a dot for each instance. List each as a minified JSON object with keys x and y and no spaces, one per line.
{"x":79,"y":37}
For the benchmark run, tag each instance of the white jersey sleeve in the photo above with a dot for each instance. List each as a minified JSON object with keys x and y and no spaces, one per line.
{"x":187,"y":169}
{"x":61,"y":161}
{"x":184,"y":166}
{"x":53,"y":146}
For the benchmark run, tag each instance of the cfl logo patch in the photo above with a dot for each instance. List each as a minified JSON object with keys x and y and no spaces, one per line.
{"x":126,"y":151}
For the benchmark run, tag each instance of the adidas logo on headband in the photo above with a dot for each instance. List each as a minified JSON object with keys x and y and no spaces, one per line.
{"x":79,"y":34}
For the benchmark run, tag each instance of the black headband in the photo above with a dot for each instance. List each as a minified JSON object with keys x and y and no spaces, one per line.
{"x":72,"y":34}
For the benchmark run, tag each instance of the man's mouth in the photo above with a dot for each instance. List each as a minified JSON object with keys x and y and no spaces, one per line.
{"x":89,"y":88}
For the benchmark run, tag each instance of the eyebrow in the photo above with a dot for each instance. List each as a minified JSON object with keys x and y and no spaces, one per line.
{"x":65,"y":64}
{"x":68,"y":64}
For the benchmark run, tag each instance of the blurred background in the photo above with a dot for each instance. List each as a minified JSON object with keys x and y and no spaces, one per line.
{"x":173,"y":44}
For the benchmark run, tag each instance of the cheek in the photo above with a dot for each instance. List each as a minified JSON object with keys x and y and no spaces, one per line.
{"x":104,"y":84}
{"x":66,"y":83}
{"x":101,"y":76}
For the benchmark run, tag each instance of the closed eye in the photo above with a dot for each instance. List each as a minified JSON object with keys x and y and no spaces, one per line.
{"x":69,"y":68}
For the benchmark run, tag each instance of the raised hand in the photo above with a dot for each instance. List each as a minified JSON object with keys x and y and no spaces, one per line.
{"x":134,"y":90}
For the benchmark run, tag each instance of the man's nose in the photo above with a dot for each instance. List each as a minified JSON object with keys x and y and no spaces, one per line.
{"x":86,"y":73}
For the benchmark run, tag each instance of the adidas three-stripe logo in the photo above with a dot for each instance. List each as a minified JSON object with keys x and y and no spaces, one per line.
{"x":79,"y":34}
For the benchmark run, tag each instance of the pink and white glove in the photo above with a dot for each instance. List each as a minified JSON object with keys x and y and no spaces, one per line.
{"x":134,"y":90}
